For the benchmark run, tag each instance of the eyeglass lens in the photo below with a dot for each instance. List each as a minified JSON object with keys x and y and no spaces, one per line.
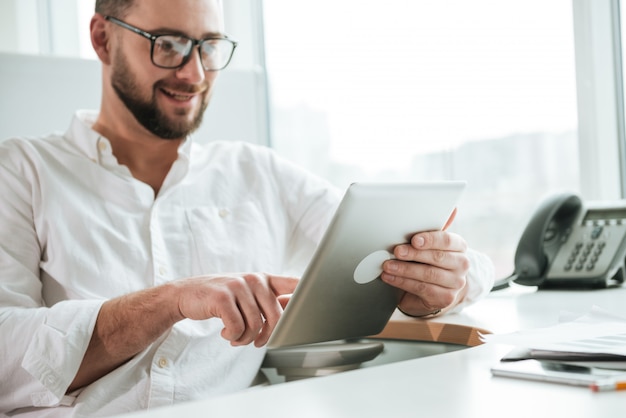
{"x":171,"y":51}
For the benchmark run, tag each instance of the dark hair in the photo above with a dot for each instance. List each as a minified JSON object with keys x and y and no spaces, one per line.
{"x":115,"y":8}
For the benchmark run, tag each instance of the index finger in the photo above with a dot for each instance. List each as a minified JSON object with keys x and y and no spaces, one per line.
{"x":271,"y":308}
{"x":438,"y":240}
{"x":282,"y":285}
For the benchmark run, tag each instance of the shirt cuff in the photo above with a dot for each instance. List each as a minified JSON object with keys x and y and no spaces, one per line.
{"x":58,"y":346}
{"x":480,"y":279}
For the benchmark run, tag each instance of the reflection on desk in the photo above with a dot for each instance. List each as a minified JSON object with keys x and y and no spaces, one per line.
{"x":393,"y":350}
{"x":454,"y":384}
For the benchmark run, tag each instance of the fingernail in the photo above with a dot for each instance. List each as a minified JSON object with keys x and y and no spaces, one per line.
{"x":403,"y":251}
{"x":419,"y":241}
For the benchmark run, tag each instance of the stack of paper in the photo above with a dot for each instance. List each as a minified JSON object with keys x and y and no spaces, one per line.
{"x":597,"y":339}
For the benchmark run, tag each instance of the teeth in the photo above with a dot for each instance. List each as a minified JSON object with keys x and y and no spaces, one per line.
{"x":179,"y":97}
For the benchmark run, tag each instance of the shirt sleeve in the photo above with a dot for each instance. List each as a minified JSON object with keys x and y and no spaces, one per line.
{"x":310,"y":202}
{"x":44,"y":352}
{"x":41,"y":347}
{"x":480,"y":279}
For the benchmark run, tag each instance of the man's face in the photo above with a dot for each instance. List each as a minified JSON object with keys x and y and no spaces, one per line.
{"x":167,"y":122}
{"x":169,"y":103}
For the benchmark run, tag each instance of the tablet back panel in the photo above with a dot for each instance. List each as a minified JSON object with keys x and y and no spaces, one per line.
{"x":328,"y":303}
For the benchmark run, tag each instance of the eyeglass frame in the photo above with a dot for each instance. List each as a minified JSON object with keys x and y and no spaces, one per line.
{"x":195,"y":43}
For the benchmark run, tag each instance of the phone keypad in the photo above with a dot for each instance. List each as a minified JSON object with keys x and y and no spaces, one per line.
{"x":593,"y":250}
{"x":585,"y":255}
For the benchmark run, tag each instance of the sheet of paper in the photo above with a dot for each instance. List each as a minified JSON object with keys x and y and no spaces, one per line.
{"x":596,"y":332}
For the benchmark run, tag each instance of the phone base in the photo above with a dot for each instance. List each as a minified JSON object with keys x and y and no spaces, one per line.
{"x":589,"y":283}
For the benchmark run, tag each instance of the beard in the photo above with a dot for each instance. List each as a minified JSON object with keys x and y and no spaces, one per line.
{"x":147,"y":112}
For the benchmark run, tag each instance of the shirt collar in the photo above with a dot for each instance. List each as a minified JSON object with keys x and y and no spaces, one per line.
{"x":82,"y":136}
{"x":95,"y":146}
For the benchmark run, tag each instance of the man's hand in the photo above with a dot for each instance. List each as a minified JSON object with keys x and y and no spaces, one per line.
{"x":431,"y":270}
{"x":248,"y":304}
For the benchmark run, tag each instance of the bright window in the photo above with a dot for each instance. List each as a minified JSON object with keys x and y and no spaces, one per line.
{"x":46,"y":27}
{"x":480,"y":90}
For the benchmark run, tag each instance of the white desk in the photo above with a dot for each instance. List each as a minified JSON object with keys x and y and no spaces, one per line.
{"x":455,"y":384}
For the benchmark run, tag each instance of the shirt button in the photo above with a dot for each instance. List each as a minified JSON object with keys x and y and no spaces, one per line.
{"x":224,"y":213}
{"x":102,"y":146}
{"x":163,"y":362}
{"x":162,"y":270}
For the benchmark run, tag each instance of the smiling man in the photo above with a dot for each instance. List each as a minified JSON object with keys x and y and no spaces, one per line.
{"x":165,"y":100}
{"x":120,"y":240}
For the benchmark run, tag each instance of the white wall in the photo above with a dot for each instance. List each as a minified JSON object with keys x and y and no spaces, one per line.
{"x":40,"y":95}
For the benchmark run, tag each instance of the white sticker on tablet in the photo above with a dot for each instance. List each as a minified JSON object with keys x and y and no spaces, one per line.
{"x":370,"y":268}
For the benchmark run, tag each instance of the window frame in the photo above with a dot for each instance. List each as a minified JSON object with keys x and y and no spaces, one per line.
{"x":599,"y":88}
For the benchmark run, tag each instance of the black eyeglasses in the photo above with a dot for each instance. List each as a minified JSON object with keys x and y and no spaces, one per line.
{"x":174,"y":51}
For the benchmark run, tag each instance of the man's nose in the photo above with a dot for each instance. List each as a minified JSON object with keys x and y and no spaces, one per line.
{"x":193,"y":70}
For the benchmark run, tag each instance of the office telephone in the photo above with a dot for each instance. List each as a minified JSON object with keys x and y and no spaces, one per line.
{"x":571,"y":245}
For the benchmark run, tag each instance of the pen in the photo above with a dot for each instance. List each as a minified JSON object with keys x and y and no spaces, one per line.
{"x":604,"y":387}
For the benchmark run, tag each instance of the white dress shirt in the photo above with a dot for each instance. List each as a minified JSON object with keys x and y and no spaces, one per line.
{"x":77,"y":229}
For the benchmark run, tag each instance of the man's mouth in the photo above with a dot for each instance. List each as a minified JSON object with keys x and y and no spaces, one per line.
{"x":181,"y":97}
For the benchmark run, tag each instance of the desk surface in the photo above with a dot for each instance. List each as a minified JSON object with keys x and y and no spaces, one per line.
{"x":455,"y":384}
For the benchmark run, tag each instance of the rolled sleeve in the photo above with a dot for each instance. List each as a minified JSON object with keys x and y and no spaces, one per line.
{"x":55,"y":353}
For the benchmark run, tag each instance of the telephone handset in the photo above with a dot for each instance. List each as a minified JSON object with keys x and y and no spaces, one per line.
{"x":570,"y":245}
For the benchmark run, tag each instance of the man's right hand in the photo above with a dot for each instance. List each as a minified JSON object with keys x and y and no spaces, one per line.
{"x":249,"y":304}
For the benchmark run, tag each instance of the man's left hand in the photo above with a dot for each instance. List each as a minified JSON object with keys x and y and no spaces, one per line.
{"x":432,"y":270}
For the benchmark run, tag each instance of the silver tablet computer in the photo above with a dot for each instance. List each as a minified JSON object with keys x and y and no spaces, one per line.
{"x":340,"y":295}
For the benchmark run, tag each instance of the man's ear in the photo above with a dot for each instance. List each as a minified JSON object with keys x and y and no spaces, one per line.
{"x":100,"y":38}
